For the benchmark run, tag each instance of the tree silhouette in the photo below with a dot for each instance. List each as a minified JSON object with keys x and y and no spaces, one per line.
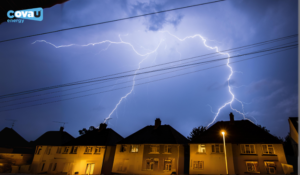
{"x":197,"y":131}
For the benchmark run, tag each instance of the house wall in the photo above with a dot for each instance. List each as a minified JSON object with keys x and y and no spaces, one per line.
{"x":136,"y":162}
{"x":214,"y":163}
{"x":293,"y":132}
{"x":69,"y":162}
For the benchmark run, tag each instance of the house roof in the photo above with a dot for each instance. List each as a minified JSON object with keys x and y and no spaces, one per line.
{"x":242,"y":131}
{"x":9,"y":138}
{"x":104,"y":137}
{"x":294,"y":121}
{"x":54,"y":138}
{"x":163,"y":134}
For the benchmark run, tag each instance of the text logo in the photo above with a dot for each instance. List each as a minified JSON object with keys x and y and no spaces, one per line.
{"x":31,"y":14}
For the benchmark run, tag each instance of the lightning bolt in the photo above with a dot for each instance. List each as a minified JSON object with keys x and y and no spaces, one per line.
{"x":228,"y":79}
{"x":146,"y":55}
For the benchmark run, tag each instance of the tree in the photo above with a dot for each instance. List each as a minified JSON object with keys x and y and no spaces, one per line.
{"x":263,"y":128}
{"x":197,"y":131}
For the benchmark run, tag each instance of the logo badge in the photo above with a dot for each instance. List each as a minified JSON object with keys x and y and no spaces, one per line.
{"x":31,"y":14}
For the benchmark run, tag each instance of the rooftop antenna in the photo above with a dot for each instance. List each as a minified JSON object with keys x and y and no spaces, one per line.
{"x":60,"y":122}
{"x":12,"y":123}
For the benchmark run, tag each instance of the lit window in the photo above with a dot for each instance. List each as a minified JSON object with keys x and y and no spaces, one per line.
{"x":154,"y":149}
{"x":248,"y":149}
{"x":168,"y":165}
{"x":167,"y":149}
{"x":66,"y":150}
{"x":74,"y":150}
{"x":268,"y":149}
{"x":252,"y":166}
{"x":38,"y":150}
{"x":270,"y":167}
{"x":58,"y":150}
{"x":201,"y":149}
{"x":134,"y":148}
{"x":199,"y":165}
{"x":88,"y":150}
{"x":217,"y":148}
{"x":123,"y":148}
{"x":97,"y":150}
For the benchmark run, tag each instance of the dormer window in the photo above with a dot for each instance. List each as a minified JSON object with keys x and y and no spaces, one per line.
{"x":167,"y":149}
{"x":88,"y":150}
{"x":97,"y":150}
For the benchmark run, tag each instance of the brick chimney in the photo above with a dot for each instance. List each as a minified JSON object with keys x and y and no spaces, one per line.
{"x":157,"y":123}
{"x":102,"y":127}
{"x":231,"y":118}
{"x":61,"y":129}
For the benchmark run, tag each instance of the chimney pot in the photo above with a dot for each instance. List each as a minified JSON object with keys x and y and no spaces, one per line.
{"x":102,"y":126}
{"x":231,"y":118}
{"x":157,"y":123}
{"x":61,"y":129}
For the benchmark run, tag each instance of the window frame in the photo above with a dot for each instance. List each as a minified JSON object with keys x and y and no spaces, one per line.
{"x":167,"y":148}
{"x":66,"y":150}
{"x":268,"y":167}
{"x":214,"y":148}
{"x":74,"y":150}
{"x":154,"y":149}
{"x":88,"y":150}
{"x":166,"y":163}
{"x":199,"y":146}
{"x":245,"y":151}
{"x":97,"y":148}
{"x":134,"y":148}
{"x":267,"y":147}
{"x":38,"y":150}
{"x":123,"y":148}
{"x":257,"y":169}
{"x":198,"y":165}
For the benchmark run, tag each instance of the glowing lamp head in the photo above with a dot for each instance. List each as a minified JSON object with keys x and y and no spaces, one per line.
{"x":223,"y":132}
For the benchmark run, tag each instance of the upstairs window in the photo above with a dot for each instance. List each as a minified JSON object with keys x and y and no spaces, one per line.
{"x":58,"y":151}
{"x":38,"y":150}
{"x":252,"y":166}
{"x":201,"y":149}
{"x":198,"y":165}
{"x":74,"y":150}
{"x":154,"y":149}
{"x":97,"y":150}
{"x":48,"y":150}
{"x":248,"y":149}
{"x":88,"y":150}
{"x":123,"y":148}
{"x":134,"y":148}
{"x":217,"y":148}
{"x":268,"y":149}
{"x":66,"y":150}
{"x":167,"y":149}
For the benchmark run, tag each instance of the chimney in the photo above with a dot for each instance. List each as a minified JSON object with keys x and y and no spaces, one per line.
{"x":61,"y":129}
{"x":157,"y":123}
{"x":102,"y":127}
{"x":231,"y":118}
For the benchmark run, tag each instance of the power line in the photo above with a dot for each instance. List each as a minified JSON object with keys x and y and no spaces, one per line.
{"x":147,"y":82}
{"x":89,"y":80}
{"x":121,"y":19}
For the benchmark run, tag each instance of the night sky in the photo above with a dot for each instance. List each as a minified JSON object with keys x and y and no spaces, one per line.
{"x":267,"y":86}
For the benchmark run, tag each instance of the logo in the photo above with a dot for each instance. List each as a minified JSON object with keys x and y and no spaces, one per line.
{"x":31,"y":14}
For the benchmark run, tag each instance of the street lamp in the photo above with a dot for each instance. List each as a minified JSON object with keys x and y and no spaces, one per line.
{"x":223,"y":133}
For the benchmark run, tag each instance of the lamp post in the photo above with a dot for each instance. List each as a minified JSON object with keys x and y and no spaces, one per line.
{"x":223,"y":133}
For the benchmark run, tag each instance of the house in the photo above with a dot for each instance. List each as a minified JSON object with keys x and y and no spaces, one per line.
{"x":293,"y":123}
{"x":46,"y":146}
{"x":157,"y":149}
{"x":16,"y":153}
{"x":91,"y":153}
{"x":247,"y":149}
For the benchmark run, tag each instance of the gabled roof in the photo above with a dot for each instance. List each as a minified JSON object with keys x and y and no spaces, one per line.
{"x":294,"y":121}
{"x":104,"y":137}
{"x":54,"y":138}
{"x":9,"y":138}
{"x":242,"y":131}
{"x":163,"y":134}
